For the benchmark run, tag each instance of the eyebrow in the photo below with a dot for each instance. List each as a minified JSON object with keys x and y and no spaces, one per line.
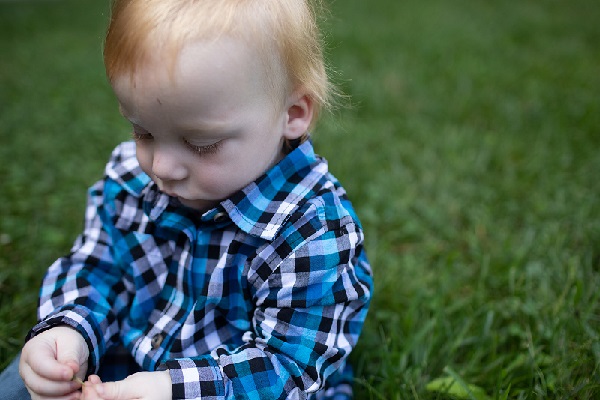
{"x":196,"y":129}
{"x":204,"y":126}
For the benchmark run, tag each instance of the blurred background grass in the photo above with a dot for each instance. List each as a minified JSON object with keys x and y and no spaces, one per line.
{"x":470,"y":147}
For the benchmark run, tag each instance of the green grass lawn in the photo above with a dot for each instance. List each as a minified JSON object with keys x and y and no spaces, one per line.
{"x":470,"y":146}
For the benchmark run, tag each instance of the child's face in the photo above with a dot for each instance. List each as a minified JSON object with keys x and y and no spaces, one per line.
{"x":208,"y":128}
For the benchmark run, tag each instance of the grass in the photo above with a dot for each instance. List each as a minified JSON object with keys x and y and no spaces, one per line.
{"x":470,"y":149}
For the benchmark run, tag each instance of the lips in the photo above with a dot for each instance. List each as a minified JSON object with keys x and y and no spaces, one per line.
{"x":162,"y":188}
{"x":168,"y":192}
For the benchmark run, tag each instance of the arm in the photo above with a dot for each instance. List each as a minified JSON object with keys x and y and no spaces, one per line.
{"x":83,"y":290}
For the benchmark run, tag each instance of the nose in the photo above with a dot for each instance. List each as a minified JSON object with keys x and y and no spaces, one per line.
{"x":167,"y":164}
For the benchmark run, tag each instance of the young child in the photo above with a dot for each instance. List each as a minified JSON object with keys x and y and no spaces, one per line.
{"x":219,"y":255}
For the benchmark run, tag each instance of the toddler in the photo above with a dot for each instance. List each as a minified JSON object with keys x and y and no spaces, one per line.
{"x":219,"y":259}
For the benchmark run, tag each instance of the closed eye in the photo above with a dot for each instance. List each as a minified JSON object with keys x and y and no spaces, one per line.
{"x":203,"y":150}
{"x":140,"y":133}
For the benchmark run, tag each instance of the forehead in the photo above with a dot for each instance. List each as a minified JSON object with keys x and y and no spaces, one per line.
{"x":217,"y":76}
{"x":222,"y":63}
{"x":209,"y":66}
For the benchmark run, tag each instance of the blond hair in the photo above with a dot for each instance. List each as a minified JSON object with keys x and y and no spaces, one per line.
{"x":284,"y":31}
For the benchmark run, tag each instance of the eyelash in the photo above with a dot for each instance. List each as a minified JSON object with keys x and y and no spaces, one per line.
{"x":200,"y":150}
{"x":141,"y":136}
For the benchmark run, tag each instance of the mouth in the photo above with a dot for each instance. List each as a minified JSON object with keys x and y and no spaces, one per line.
{"x":169,"y":193}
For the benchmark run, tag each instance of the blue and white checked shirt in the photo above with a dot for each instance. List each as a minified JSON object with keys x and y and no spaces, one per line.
{"x":262,"y":297}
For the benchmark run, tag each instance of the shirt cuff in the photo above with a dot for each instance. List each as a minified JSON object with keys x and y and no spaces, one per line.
{"x":196,"y":379}
{"x":80,"y":319}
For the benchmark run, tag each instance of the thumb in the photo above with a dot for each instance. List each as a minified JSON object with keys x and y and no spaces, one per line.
{"x":71,"y":351}
{"x":115,"y":390}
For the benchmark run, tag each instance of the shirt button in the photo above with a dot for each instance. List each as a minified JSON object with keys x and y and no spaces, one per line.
{"x":220,"y":217}
{"x":157,"y":341}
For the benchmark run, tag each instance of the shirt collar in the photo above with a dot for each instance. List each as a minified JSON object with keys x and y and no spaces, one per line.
{"x":262,"y":207}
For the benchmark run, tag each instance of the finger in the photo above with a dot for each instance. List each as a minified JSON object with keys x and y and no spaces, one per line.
{"x":41,"y":359}
{"x":72,"y":396}
{"x":71,"y":353}
{"x":89,"y":392}
{"x":80,"y":372}
{"x":46,"y":387}
{"x":117,"y":391}
{"x":94,"y":379}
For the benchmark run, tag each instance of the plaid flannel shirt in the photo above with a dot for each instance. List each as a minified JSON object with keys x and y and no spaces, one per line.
{"x":263,"y":296}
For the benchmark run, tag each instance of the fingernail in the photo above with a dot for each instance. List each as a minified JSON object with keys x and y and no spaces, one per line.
{"x":99,"y":389}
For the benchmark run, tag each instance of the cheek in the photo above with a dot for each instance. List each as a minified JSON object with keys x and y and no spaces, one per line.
{"x":218,"y":180}
{"x":223,"y":179}
{"x":144,"y":157}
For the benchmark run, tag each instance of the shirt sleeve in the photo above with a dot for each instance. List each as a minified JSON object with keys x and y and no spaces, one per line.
{"x":84,"y":289}
{"x":312,"y":290}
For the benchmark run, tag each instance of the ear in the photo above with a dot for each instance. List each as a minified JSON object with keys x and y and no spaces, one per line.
{"x":299,"y":115}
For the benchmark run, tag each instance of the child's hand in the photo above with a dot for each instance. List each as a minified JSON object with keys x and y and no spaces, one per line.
{"x":139,"y":386}
{"x":50,"y":360}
